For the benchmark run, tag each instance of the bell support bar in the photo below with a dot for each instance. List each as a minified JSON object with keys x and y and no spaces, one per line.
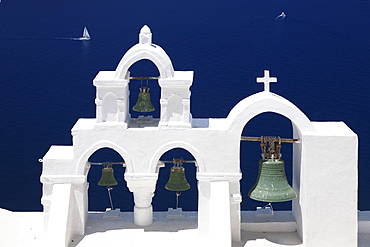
{"x":106,"y":163}
{"x":258,"y":139}
{"x":178,"y":161}
{"x":144,"y":78}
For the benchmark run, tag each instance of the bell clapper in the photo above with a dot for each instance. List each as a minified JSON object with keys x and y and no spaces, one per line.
{"x":178,"y":193}
{"x":110,"y":197}
{"x":266,"y":210}
{"x":269,"y":206}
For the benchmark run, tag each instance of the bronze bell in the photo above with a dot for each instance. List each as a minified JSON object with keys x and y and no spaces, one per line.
{"x":177,"y":180}
{"x":143,"y":103}
{"x":272,"y":184}
{"x":107,"y":177}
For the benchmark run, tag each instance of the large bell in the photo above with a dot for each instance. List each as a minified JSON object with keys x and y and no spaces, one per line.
{"x":177,"y":180}
{"x":143,"y":103}
{"x":272,"y":184}
{"x":107,"y":177}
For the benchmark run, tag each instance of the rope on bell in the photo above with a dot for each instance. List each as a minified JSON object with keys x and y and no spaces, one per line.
{"x":141,"y":78}
{"x":270,"y":147}
{"x":143,"y":103}
{"x":258,"y":139}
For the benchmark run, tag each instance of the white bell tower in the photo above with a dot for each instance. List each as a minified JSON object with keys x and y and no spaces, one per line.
{"x":112,"y":91}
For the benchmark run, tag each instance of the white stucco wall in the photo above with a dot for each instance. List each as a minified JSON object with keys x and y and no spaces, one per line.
{"x":324,"y":168}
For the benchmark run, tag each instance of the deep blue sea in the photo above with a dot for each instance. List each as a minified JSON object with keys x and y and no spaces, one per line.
{"x":320,"y":54}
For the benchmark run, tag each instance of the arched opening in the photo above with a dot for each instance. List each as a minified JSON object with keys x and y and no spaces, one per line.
{"x":165,"y":199}
{"x":292,"y":123}
{"x":98,"y":199}
{"x":175,"y":107}
{"x":265,"y":124}
{"x":109,"y":108}
{"x":144,"y":68}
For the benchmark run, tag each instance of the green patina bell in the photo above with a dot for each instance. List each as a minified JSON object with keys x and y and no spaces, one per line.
{"x":107,"y":177}
{"x":272,"y":184}
{"x":177,"y":180}
{"x":143,"y":103}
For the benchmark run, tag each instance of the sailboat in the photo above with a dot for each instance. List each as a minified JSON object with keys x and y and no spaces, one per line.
{"x":85,"y":35}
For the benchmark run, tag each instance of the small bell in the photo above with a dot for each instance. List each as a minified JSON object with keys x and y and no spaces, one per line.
{"x":143,"y":103}
{"x":177,"y":181}
{"x":272,"y":184}
{"x":107,"y":177}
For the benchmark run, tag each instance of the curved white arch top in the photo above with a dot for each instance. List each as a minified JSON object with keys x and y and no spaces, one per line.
{"x":177,"y":144}
{"x":266,"y":101}
{"x":145,"y":49}
{"x":99,"y":145}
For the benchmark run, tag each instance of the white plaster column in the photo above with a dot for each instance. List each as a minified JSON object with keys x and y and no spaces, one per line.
{"x":58,"y":231}
{"x":121,"y":111}
{"x":80,"y":207}
{"x":164,"y":105}
{"x":142,"y":186}
{"x":106,"y":84}
{"x":328,"y":187}
{"x":298,"y":169}
{"x":77,"y":207}
{"x":175,"y":100}
{"x":235,"y":201}
{"x":99,"y":109}
{"x":209,"y":199}
{"x":219,"y":212}
{"x":203,"y":206}
{"x":186,"y":110}
{"x":47,"y":189}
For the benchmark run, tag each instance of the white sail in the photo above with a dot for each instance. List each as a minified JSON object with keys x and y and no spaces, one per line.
{"x":85,"y":35}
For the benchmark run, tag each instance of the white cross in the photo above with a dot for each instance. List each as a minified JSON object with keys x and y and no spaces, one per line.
{"x":266,"y":80}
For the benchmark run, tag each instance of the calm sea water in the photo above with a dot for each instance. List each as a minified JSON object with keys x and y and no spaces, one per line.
{"x":319,"y":52}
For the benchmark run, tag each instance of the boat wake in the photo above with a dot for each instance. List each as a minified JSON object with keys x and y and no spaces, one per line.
{"x":81,"y":38}
{"x":282,"y":16}
{"x":42,"y":38}
{"x":85,"y":36}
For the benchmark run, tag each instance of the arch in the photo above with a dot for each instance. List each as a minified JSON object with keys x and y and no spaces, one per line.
{"x":164,"y":175}
{"x":175,"y":108}
{"x":176,"y":144}
{"x":80,"y":170}
{"x":109,"y":107}
{"x":96,"y":194}
{"x":250,"y":154}
{"x":262,"y":102}
{"x":151,"y":52}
